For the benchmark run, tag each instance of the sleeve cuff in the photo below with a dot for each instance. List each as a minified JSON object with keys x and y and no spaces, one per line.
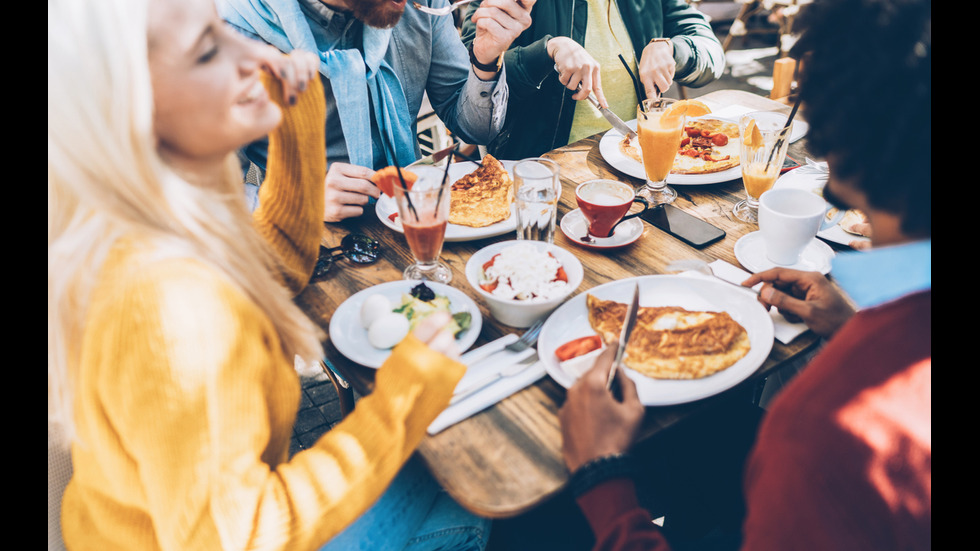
{"x":599,"y":470}
{"x":604,"y":503}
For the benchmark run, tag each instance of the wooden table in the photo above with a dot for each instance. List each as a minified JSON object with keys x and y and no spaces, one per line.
{"x":506,"y":459}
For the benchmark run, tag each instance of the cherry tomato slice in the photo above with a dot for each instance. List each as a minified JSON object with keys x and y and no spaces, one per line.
{"x":578,"y":347}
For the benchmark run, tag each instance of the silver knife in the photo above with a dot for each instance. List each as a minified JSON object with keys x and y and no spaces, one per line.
{"x":435,"y":157}
{"x":615,"y":121}
{"x":624,"y":336}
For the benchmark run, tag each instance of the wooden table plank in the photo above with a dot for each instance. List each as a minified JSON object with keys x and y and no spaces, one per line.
{"x":506,"y":459}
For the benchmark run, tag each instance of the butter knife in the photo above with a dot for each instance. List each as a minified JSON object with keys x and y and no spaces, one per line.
{"x":435,"y":157}
{"x":614,"y":120}
{"x":624,"y":336}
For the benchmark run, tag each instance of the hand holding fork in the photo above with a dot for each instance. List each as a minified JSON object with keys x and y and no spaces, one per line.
{"x":445,"y":10}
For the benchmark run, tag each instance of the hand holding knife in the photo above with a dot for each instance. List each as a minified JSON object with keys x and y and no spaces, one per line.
{"x":629,"y":323}
{"x":614,"y":120}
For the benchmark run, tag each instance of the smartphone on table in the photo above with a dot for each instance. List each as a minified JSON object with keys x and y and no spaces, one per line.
{"x":686,"y":227}
{"x":789,"y":164}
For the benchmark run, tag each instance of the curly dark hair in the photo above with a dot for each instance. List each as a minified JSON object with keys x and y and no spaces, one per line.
{"x":865,"y":86}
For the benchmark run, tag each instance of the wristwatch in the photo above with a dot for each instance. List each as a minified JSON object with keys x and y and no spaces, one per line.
{"x":490,"y":68}
{"x":667,"y":40}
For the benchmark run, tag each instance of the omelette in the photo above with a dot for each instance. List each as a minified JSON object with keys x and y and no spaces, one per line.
{"x":670,"y":342}
{"x":482,"y":197}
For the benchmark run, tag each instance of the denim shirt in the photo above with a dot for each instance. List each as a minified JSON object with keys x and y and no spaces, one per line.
{"x":429,"y":58}
{"x":883,"y":274}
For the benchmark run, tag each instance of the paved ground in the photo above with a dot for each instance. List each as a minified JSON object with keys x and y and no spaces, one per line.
{"x":749,"y":67}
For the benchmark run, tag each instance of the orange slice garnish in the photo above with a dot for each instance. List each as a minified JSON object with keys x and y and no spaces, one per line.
{"x":753,"y":137}
{"x":387,"y":179}
{"x":686,"y":107}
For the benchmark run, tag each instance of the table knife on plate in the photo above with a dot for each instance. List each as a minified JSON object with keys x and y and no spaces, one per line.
{"x":629,"y":322}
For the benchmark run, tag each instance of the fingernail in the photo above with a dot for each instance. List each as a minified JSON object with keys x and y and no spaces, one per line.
{"x":766,"y":293}
{"x":292,"y":99}
{"x":302,"y":85}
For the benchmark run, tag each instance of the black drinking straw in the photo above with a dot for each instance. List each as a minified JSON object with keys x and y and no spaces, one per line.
{"x":468,"y":157}
{"x":411,"y":207}
{"x":445,"y":175}
{"x":779,"y":142}
{"x":640,"y":94}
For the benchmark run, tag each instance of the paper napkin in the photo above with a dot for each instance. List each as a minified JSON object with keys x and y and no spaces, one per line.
{"x":489,"y":395}
{"x":784,"y":330}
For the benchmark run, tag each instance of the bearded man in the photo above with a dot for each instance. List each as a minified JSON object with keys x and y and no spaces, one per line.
{"x":377,"y":60}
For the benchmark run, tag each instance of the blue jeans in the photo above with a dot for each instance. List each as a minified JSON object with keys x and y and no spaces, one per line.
{"x":414,"y":514}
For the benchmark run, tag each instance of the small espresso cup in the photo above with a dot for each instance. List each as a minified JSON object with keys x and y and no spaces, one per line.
{"x":604,"y":204}
{"x":789,"y":219}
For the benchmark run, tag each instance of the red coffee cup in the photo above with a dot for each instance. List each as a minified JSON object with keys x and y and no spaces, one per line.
{"x":604,"y":204}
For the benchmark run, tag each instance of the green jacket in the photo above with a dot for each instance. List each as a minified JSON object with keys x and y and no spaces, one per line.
{"x":540,"y":110}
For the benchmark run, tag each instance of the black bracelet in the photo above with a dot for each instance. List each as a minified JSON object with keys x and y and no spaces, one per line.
{"x":488,"y":67}
{"x":600,"y":470}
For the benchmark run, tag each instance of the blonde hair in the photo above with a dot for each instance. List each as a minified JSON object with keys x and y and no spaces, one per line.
{"x":107,"y":180}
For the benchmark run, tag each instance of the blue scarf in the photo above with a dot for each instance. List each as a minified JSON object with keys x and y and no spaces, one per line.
{"x":358,"y":82}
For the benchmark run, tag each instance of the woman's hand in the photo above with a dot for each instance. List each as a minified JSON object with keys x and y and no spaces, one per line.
{"x":576,"y":66}
{"x":657,"y":67}
{"x":434,"y":332}
{"x":294,"y":70}
{"x":593,"y":423}
{"x":803,"y":296}
{"x":347,"y":189}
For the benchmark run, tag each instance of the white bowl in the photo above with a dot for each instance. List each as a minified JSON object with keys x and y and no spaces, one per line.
{"x":523,"y":313}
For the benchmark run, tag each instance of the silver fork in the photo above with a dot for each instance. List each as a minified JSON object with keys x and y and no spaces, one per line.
{"x":440,"y":11}
{"x":704,"y":268}
{"x":527,"y":340}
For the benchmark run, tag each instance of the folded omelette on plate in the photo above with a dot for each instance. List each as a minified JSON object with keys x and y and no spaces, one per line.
{"x":482,"y":197}
{"x":670,"y":342}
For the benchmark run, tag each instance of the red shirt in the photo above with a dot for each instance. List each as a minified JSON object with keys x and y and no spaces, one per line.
{"x":843,"y":459}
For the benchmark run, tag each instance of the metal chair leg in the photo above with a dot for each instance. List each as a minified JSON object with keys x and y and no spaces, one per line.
{"x":344,"y":392}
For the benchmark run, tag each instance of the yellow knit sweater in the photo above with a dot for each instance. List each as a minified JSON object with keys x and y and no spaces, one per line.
{"x":185,"y":403}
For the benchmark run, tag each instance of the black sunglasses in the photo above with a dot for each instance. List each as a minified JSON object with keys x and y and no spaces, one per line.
{"x":356,"y":247}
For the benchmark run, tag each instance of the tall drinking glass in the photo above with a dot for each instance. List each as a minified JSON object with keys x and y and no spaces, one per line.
{"x":762,"y":161}
{"x":537,"y":189}
{"x":424,"y":212}
{"x":660,"y":138}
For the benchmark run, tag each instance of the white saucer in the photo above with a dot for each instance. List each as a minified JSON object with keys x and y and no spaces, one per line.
{"x":574,"y":226}
{"x":750,"y":251}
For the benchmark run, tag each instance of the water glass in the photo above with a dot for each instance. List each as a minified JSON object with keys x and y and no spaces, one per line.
{"x":537,"y":189}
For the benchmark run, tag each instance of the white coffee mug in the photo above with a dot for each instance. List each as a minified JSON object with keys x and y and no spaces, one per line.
{"x":789,"y":219}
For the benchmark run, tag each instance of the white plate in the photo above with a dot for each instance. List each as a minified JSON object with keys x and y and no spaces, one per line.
{"x":750,"y":251}
{"x":385,"y":207}
{"x":350,"y":337}
{"x":609,"y":148}
{"x":811,"y":181}
{"x":574,"y":226}
{"x":735,"y":112}
{"x":571,"y":321}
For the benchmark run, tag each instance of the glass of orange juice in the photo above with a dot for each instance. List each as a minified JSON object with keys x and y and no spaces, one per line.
{"x":424,"y":214}
{"x":660,"y":133}
{"x":764,"y":141}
